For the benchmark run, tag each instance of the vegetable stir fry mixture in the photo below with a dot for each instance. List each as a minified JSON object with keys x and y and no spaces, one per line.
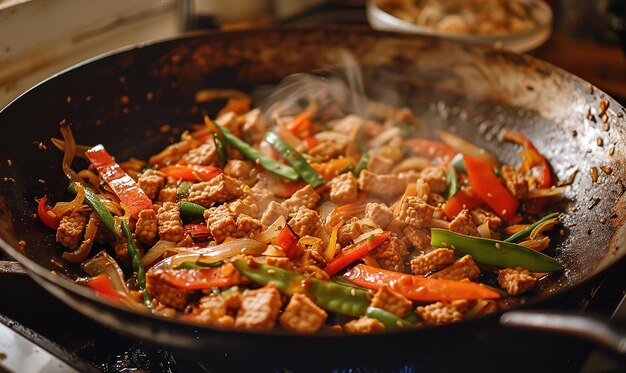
{"x":308,"y":224}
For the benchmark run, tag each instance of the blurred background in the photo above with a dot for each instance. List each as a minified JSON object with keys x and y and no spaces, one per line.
{"x":40,"y":38}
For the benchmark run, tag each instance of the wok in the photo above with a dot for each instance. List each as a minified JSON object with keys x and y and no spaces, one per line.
{"x":122,"y":100}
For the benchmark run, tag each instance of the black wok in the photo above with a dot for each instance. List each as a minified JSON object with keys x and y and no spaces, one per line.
{"x":473,"y":90}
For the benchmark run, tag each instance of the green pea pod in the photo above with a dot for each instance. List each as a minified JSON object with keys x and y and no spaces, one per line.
{"x":330,"y":296}
{"x":453,"y":182}
{"x":192,"y":209}
{"x":137,"y":266}
{"x":362,"y":165}
{"x":221,"y":152}
{"x":295,"y":159}
{"x":92,"y":200}
{"x":199,"y":265}
{"x":526,"y":231}
{"x":391,"y":321}
{"x":256,"y":156}
{"x":493,"y":252}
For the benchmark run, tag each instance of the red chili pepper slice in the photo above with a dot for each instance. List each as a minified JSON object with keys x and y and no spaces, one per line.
{"x":347,"y":257}
{"x":418,"y":288}
{"x":460,"y":201}
{"x":488,"y":187}
{"x":101,"y":284}
{"x":197,"y":279}
{"x":46,"y":215}
{"x":120,"y":182}
{"x":196,"y":231}
{"x":287,"y":240}
{"x":191,"y":172}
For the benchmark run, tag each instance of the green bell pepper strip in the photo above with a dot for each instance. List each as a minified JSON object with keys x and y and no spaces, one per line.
{"x":256,"y":156}
{"x":91,"y":198}
{"x":362,"y":165}
{"x":192,"y":209}
{"x":137,"y":266}
{"x":330,"y":296}
{"x":493,"y":252}
{"x":295,"y":159}
{"x":391,"y":321}
{"x":453,"y":182}
{"x":526,"y":231}
{"x":199,"y":265}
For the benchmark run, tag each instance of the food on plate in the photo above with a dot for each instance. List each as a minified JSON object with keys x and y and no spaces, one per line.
{"x":478,"y":17}
{"x":308,"y":223}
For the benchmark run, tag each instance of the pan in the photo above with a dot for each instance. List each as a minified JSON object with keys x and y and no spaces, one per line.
{"x":125,"y":99}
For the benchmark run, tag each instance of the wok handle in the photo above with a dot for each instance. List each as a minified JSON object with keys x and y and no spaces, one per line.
{"x":588,"y":328}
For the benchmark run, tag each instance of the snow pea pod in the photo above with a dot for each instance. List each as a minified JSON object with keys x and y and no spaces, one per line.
{"x":137,"y":266}
{"x":391,"y":321}
{"x":98,"y":207}
{"x":295,"y":159}
{"x":329,"y":295}
{"x":526,"y":231}
{"x":192,"y":209}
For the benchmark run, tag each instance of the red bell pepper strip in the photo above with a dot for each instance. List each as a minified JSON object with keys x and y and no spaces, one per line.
{"x":196,"y":230}
{"x":534,"y":162}
{"x":488,"y":187}
{"x":349,"y":256}
{"x":49,"y":218}
{"x":463,"y":199}
{"x":124,"y":187}
{"x":418,"y":288}
{"x":197,"y":279}
{"x":102,"y":286}
{"x":287,"y":240}
{"x":191,"y":172}
{"x":437,"y":152}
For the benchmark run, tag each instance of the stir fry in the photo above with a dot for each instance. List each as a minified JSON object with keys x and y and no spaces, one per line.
{"x":308,"y":224}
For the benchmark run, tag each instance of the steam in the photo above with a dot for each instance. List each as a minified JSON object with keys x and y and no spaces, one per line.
{"x":335,"y":91}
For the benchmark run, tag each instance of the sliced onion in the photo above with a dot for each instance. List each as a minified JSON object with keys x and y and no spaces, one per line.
{"x":157,"y":251}
{"x":102,"y":263}
{"x":69,"y":153}
{"x":483,"y":229}
{"x":272,"y":231}
{"x":90,"y":178}
{"x":368,"y":234}
{"x":80,"y":149}
{"x":462,"y":146}
{"x":212,"y":254}
{"x":440,"y":223}
{"x":326,"y":210}
{"x":547,"y":192}
{"x":64,"y":208}
{"x":81,"y":253}
{"x":415,"y":163}
{"x":537,"y":245}
{"x":387,"y":135}
{"x":273,"y":251}
{"x":544,"y":226}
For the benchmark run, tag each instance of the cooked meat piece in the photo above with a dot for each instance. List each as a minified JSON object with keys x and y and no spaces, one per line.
{"x":364,"y":325}
{"x":479,"y":216}
{"x":262,"y":196}
{"x":379,"y":213}
{"x":302,"y":315}
{"x":205,"y":154}
{"x":389,"y":254}
{"x":516,"y":281}
{"x":436,"y":178}
{"x":422,"y":189}
{"x":259,"y":309}
{"x":167,"y":195}
{"x":459,"y":270}
{"x":326,"y":149}
{"x":440,"y":214}
{"x":432,"y":261}
{"x":146,"y":228}
{"x":221,"y":223}
{"x":121,"y":251}
{"x":151,"y":182}
{"x":306,"y":197}
{"x":419,"y":238}
{"x":441,"y":313}
{"x":273,"y":212}
{"x":415,"y":212}
{"x":515,"y":182}
{"x":229,"y":120}
{"x":71,"y":230}
{"x":221,"y":188}
{"x":384,"y":186}
{"x":409,"y":177}
{"x":435,"y":199}
{"x":165,"y":293}
{"x":344,"y":188}
{"x":247,"y":226}
{"x":218,"y":305}
{"x":348,"y":124}
{"x":170,"y":225}
{"x":464,"y":224}
{"x":245,"y":205}
{"x":305,"y":222}
{"x":379,"y":164}
{"x":352,"y":229}
{"x":254,"y":126}
{"x":239,"y":169}
{"x":391,"y":301}
{"x":280,"y":262}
